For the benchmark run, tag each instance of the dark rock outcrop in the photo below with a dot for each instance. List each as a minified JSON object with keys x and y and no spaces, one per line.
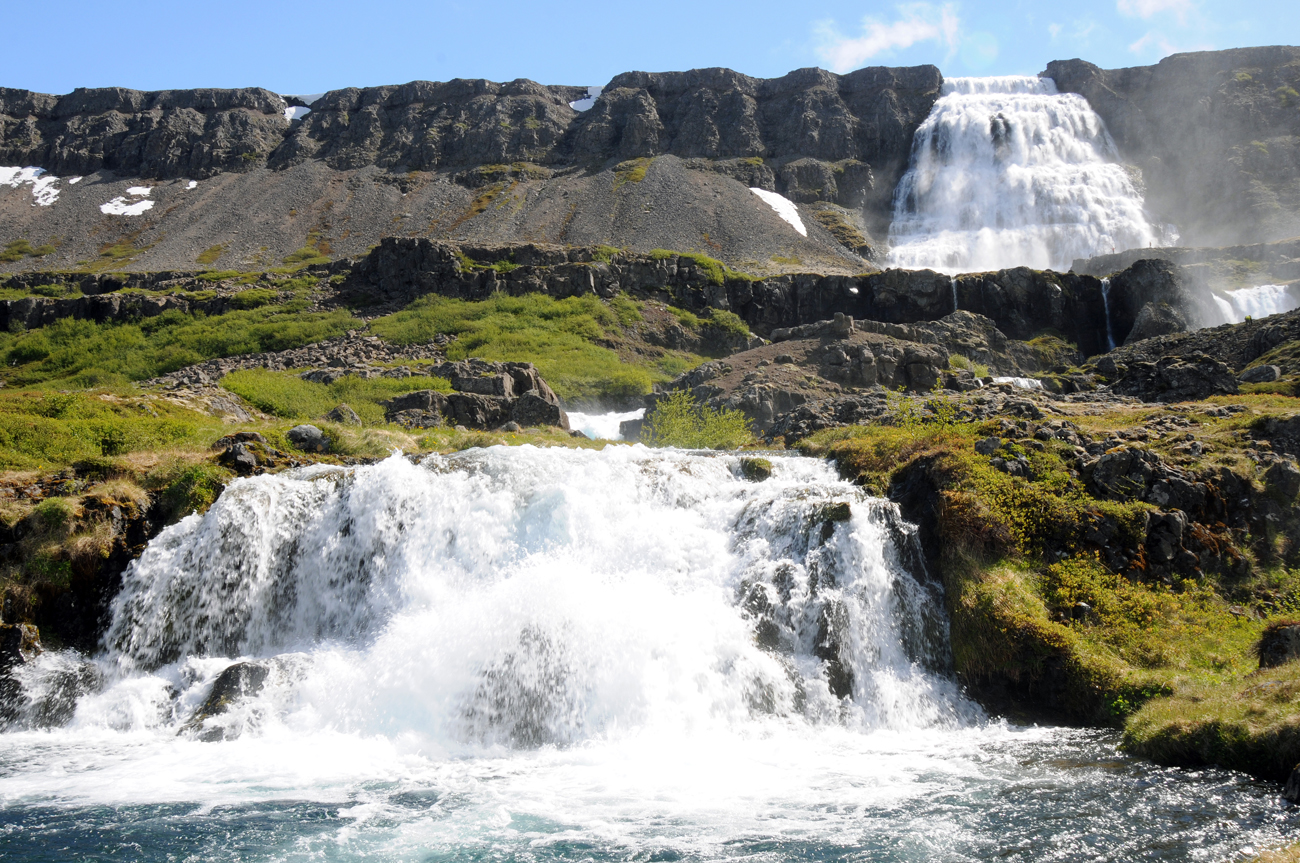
{"x":486,"y":396}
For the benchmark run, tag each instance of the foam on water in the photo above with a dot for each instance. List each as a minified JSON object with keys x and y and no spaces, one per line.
{"x":602,"y":426}
{"x":1008,"y":172}
{"x":561,"y":654}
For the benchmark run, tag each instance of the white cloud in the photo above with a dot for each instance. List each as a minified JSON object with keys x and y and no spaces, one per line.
{"x":917,"y":22}
{"x":1147,"y":8}
{"x":1153,"y":42}
{"x":1055,"y":30}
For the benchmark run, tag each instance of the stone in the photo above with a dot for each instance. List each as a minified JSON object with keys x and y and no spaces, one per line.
{"x":238,"y":437}
{"x":988,"y":445}
{"x":308,"y":438}
{"x":755,"y":469}
{"x":1165,"y":535}
{"x":19,"y":643}
{"x":512,"y":426}
{"x":1291,"y":791}
{"x":239,"y":458}
{"x":241,"y":680}
{"x":530,"y":409}
{"x":1260,"y":375}
{"x":345,"y":415}
{"x":1283,"y":479}
{"x":630,"y":430}
{"x":1279,"y":645}
{"x":1156,"y":319}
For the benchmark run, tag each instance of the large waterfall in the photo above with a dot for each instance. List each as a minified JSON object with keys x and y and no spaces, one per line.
{"x":529,"y":654}
{"x":1008,"y":172}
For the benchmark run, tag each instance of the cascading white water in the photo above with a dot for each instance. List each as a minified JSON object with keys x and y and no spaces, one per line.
{"x":1256,"y":302}
{"x":953,"y":283}
{"x":1008,"y":172}
{"x":558,"y":655}
{"x":1105,"y":308}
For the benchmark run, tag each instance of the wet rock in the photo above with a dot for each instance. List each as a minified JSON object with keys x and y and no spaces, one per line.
{"x":19,"y":643}
{"x":756,"y":469}
{"x":1279,"y":644}
{"x":630,"y":430}
{"x":1291,"y":791}
{"x":345,"y":415}
{"x":241,"y":680}
{"x":308,"y":438}
{"x":1260,"y":375}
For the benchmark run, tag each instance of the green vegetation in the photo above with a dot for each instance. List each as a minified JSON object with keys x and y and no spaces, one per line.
{"x":286,"y":395}
{"x":210,"y":254}
{"x":1287,"y":95}
{"x":566,"y":338}
{"x":680,"y":421}
{"x":85,"y":354}
{"x":605,"y":254}
{"x":788,"y":260}
{"x":19,"y":249}
{"x":631,"y":172}
{"x":979,"y":370}
{"x":844,"y":232}
{"x":1029,"y":595}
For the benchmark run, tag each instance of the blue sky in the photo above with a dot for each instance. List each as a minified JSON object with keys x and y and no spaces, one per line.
{"x":299,"y":47}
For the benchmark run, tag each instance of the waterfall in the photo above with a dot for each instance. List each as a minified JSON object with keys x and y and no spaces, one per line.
{"x":1257,"y":302}
{"x":953,"y":282}
{"x":1008,"y":172}
{"x":559,"y":655}
{"x":523,"y":596}
{"x":1105,"y":307}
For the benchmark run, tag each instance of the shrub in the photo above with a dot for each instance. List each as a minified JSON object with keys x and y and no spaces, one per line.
{"x":182,"y":487}
{"x":680,"y":421}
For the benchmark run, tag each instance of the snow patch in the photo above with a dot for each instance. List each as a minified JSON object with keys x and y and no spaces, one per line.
{"x":593,"y":93}
{"x":192,"y":184}
{"x":133,"y":203}
{"x":296,"y":113}
{"x":72,"y":181}
{"x":44,"y":191}
{"x":784,"y":208}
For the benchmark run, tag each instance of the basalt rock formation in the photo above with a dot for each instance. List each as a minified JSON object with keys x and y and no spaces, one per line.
{"x":1215,"y":134}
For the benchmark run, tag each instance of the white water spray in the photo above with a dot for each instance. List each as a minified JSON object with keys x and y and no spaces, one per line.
{"x":1008,"y":172}
{"x":1257,"y":302}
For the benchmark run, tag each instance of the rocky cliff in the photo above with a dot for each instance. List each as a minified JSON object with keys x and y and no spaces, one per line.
{"x":1215,"y":134}
{"x":659,"y":160}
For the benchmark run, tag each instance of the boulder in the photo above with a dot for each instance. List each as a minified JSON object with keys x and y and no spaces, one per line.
{"x":1260,"y":375}
{"x":531,"y":409}
{"x":1279,"y":644}
{"x":1291,"y":791}
{"x":238,"y":458}
{"x":755,"y":469}
{"x":345,"y":415}
{"x":238,"y":437}
{"x":241,"y":680}
{"x":1283,"y":479}
{"x":1156,"y":319}
{"x":308,"y":438}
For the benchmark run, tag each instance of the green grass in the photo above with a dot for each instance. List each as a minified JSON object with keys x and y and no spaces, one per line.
{"x":85,"y":354}
{"x":46,"y":430}
{"x":210,"y":254}
{"x":1015,"y":564}
{"x":957,"y":361}
{"x":16,"y":250}
{"x":286,"y":395}
{"x":631,"y":172}
{"x":560,"y":336}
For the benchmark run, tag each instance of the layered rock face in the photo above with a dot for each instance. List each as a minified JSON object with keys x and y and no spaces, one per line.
{"x":460,"y":146}
{"x":1216,"y":135}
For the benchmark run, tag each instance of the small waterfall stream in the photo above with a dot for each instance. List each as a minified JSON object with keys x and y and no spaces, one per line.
{"x":1008,"y":172}
{"x":1105,"y":308}
{"x":520,"y":653}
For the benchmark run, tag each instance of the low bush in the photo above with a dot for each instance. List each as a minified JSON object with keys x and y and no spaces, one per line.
{"x":680,"y":421}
